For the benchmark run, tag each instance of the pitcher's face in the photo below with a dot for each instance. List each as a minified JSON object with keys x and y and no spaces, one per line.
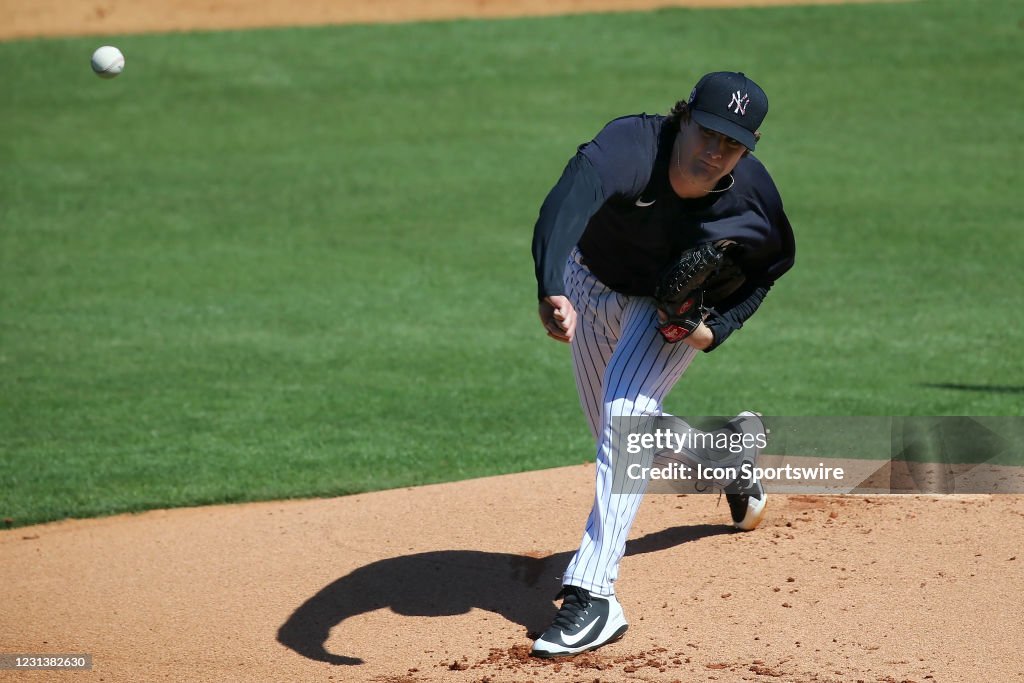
{"x":704,"y":156}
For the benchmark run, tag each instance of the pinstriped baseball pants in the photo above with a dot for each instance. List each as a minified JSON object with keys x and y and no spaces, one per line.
{"x":623,"y":368}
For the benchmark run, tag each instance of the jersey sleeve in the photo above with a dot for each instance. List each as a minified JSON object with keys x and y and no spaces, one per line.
{"x":617,"y":161}
{"x":766,"y":228}
{"x":781,"y":254}
{"x":726,"y":319}
{"x":623,"y":154}
{"x":563,"y":217}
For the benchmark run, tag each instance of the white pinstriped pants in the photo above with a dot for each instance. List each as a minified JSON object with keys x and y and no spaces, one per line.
{"x":623,"y":367}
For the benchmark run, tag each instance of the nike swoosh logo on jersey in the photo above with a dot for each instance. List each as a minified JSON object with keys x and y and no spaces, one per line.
{"x":572,"y":640}
{"x":642,"y":204}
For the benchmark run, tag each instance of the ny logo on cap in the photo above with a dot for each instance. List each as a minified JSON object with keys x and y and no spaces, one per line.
{"x":740,"y":102}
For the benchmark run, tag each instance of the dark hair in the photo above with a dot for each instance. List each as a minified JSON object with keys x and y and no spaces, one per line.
{"x":680,"y":112}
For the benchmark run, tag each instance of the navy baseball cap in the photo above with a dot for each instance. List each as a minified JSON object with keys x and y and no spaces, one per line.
{"x":729,"y":103}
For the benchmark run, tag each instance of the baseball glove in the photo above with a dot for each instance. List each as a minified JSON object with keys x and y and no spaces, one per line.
{"x":680,"y":290}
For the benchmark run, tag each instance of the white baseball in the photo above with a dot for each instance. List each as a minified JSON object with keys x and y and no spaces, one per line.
{"x":107,"y":61}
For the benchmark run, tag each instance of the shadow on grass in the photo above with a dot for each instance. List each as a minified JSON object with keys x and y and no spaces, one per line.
{"x":449,"y":582}
{"x":986,"y":388}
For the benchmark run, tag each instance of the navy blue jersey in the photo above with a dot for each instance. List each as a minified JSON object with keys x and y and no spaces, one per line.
{"x":616,"y":202}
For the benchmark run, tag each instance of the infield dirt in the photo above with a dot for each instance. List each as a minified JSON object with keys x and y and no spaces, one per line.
{"x":27,"y":18}
{"x":447,"y":582}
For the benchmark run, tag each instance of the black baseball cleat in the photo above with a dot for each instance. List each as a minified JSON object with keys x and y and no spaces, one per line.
{"x":584,"y":622}
{"x":746,"y":503}
{"x":746,"y":496}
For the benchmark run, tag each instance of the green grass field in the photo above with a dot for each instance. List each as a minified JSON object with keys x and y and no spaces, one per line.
{"x":285,"y":263}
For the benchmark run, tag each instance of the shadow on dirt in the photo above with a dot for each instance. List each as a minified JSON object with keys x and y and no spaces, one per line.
{"x":448,"y":582}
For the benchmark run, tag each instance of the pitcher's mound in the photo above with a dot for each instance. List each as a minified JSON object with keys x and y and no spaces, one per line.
{"x":446,"y":582}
